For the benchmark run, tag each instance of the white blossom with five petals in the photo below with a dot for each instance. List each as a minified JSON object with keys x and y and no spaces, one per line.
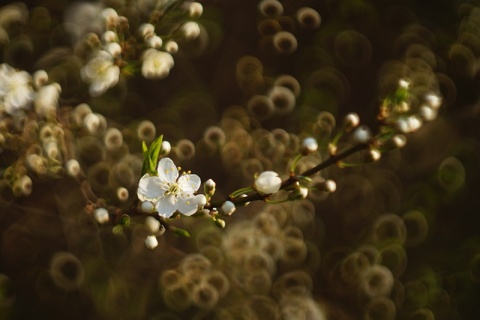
{"x":169,"y":192}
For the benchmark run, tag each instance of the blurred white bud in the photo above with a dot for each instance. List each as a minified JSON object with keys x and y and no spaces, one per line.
{"x":195,"y":9}
{"x":409,"y":124}
{"x":51,"y":149}
{"x":113,"y":48}
{"x":92,"y":123}
{"x":40,"y":78}
{"x":148,"y":206}
{"x":73,"y":167}
{"x":351,"y":120}
{"x":101,"y":215}
{"x":109,"y":36}
{"x":228,"y":207}
{"x":403,"y":83}
{"x":153,"y":41}
{"x":151,"y":242}
{"x":374,"y":154}
{"x":152,"y":224}
{"x":113,"y":139}
{"x":46,"y":99}
{"x":191,"y":30}
{"x":171,"y":47}
{"x":122,"y":194}
{"x":309,"y":145}
{"x":110,"y":16}
{"x":146,"y":29}
{"x":270,"y":8}
{"x":362,"y":134}
{"x":25,"y":185}
{"x":285,"y":42}
{"x":433,"y":100}
{"x":267,"y":182}
{"x":308,"y":18}
{"x":399,"y":140}
{"x":428,"y":113}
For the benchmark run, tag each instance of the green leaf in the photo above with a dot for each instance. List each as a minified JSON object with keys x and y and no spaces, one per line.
{"x":181,"y":232}
{"x":150,"y":156}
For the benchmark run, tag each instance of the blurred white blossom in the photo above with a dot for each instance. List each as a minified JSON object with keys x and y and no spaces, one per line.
{"x":156,"y":64}
{"x":101,"y":73}
{"x":16,"y":91}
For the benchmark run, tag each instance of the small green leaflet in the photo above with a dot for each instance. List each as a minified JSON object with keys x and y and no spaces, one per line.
{"x":150,"y":156}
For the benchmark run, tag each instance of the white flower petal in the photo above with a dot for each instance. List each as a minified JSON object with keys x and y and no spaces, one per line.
{"x":189,"y":183}
{"x":150,"y":188}
{"x":187,"y":206}
{"x":167,"y":171}
{"x":167,"y":205}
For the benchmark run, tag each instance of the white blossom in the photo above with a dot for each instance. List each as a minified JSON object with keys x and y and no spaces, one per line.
{"x":169,"y":192}
{"x":101,"y":73}
{"x":16,"y":92}
{"x":156,"y":64}
{"x":267,"y":182}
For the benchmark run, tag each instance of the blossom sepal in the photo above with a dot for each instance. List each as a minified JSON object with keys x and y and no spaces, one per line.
{"x":150,"y":156}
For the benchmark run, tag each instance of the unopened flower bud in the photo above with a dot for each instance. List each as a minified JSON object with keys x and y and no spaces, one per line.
{"x":327,"y":186}
{"x":299,"y":193}
{"x":40,"y":78}
{"x":219,"y":223}
{"x":24,"y":185}
{"x":92,"y":123}
{"x":433,"y":100}
{"x":146,"y":29}
{"x":403,"y":83}
{"x":200,"y":200}
{"x":73,"y":167}
{"x":309,"y":145}
{"x":153,"y":41}
{"x":267,"y":182}
{"x":148,"y":206}
{"x":428,"y":113}
{"x":228,"y":207}
{"x":151,"y":242}
{"x":152,"y":224}
{"x":166,"y":148}
{"x":171,"y":47}
{"x":113,"y":48}
{"x":109,"y":36}
{"x":351,"y":121}
{"x":122,"y":194}
{"x":399,"y":140}
{"x":374,"y":155}
{"x":191,"y":30}
{"x":101,"y":215}
{"x":195,"y":9}
{"x":362,"y":134}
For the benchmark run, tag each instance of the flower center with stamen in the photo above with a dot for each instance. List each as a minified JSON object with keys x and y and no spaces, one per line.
{"x":173,"y":188}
